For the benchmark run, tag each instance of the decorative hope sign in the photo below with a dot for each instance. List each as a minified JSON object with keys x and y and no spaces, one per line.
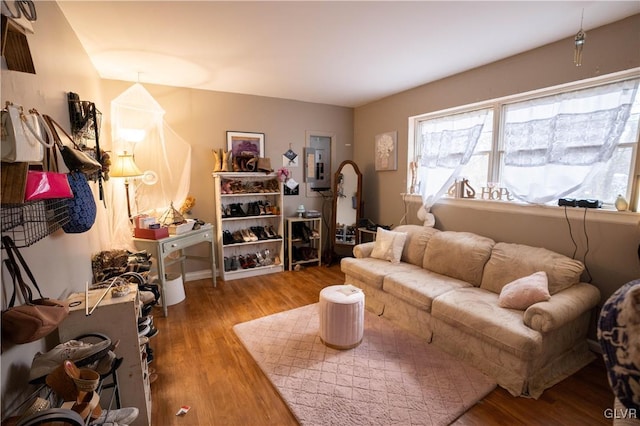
{"x":493,"y":193}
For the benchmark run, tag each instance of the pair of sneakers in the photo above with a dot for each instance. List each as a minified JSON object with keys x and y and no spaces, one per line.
{"x":81,"y":353}
{"x":146,"y":328}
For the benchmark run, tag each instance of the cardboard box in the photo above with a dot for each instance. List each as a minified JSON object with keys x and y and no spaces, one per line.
{"x":151,"y":234}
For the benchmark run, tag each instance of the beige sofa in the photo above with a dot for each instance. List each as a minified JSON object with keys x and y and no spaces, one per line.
{"x":446,"y":289}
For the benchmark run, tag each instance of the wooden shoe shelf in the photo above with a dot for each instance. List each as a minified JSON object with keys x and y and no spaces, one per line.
{"x":245,"y":188}
{"x":116,"y":317}
{"x":309,"y":248}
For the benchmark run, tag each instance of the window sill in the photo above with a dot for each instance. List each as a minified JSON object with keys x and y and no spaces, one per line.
{"x":599,"y":215}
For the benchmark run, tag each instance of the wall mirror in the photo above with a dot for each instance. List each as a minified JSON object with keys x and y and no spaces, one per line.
{"x":347,"y":190}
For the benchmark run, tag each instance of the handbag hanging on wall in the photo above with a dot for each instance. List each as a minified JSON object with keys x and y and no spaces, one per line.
{"x":37,"y":317}
{"x":43,"y":185}
{"x":82,"y":207}
{"x":74,"y":158}
{"x":22,"y":135}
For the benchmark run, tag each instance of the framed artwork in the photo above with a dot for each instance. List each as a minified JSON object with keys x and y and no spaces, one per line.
{"x":245,"y":142}
{"x":386,"y":151}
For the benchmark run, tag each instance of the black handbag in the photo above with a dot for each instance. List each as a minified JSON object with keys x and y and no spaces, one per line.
{"x":74,"y":158}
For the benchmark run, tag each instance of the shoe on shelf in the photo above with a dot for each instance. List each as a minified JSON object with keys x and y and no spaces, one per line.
{"x":153,"y":332}
{"x":266,"y":255}
{"x":75,"y":350}
{"x":251,"y":260}
{"x":245,"y":236}
{"x":234,"y":263}
{"x":227,"y":238}
{"x":122,"y":416}
{"x":237,"y":237}
{"x":273,"y":232}
{"x":143,"y":330}
{"x":227,"y":264}
{"x":146,"y":320}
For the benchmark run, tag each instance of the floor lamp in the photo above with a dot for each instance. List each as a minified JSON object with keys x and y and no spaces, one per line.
{"x":125,"y":167}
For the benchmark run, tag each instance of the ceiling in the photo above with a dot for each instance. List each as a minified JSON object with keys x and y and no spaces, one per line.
{"x":332,"y":52}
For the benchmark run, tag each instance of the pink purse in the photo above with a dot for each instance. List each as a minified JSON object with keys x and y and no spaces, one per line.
{"x":46,"y":185}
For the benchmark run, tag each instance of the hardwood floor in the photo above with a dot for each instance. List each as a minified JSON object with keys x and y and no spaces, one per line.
{"x":201,"y":363}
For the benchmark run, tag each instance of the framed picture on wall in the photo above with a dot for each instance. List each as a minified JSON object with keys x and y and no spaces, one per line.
{"x":245,"y":142}
{"x":386,"y":151}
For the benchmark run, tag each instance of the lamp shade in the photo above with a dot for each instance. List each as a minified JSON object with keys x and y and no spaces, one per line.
{"x":124,"y":166}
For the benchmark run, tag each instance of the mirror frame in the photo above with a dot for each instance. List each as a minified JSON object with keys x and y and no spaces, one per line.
{"x":332,"y":235}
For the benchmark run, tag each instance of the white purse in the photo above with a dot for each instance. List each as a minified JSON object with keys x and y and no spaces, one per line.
{"x":22,"y":135}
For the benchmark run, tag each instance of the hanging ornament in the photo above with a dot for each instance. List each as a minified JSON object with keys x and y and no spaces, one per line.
{"x":579,"y":40}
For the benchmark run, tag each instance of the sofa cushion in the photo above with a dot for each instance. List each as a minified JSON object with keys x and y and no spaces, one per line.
{"x":417,"y":238}
{"x":388,"y":245}
{"x":476,"y":312}
{"x":509,"y":262}
{"x":525,"y":291}
{"x":372,"y":271}
{"x":460,"y":255}
{"x":419,"y":288}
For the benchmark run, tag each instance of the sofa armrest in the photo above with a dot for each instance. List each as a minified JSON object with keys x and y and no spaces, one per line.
{"x":363,"y":250}
{"x":563,"y":307}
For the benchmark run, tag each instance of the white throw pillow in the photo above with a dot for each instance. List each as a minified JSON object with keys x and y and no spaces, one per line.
{"x":525,"y":291}
{"x":389,"y":245}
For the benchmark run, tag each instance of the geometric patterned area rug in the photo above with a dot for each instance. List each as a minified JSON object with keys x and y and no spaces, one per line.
{"x":391,"y":378}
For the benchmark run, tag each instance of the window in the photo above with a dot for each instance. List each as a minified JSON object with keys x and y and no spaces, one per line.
{"x":579,"y":141}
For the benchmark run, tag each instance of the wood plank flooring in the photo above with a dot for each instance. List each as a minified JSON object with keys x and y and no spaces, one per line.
{"x":201,"y":363}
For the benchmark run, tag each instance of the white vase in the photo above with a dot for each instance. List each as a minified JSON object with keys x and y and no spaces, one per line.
{"x":621,"y":204}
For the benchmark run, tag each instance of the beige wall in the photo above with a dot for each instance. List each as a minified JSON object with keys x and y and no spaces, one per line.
{"x":202,"y":118}
{"x":612,"y":258}
{"x":61,"y":262}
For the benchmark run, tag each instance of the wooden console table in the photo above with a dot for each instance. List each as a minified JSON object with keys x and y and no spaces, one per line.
{"x":162,"y":248}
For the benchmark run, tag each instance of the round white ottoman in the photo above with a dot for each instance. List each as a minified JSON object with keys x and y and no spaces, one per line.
{"x":341,"y":316}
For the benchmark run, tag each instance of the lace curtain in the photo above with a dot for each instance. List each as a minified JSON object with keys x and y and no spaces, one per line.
{"x":554,"y":145}
{"x":446,"y":145}
{"x":138,"y":127}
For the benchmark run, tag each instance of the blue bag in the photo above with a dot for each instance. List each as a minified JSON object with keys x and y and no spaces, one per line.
{"x":82,"y":207}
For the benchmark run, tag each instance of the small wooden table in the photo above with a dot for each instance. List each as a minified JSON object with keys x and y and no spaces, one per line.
{"x":160,"y":249}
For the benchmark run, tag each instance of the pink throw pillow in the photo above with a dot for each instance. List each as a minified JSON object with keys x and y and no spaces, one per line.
{"x":525,"y":291}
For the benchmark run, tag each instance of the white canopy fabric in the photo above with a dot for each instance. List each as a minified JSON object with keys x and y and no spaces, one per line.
{"x":138,"y":127}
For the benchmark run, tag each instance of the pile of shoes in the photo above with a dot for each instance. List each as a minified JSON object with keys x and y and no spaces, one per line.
{"x":72,"y":371}
{"x":250,"y":260}
{"x":300,"y":231}
{"x":236,"y":186}
{"x":251,"y":234}
{"x":254,"y":208}
{"x":112,"y":263}
{"x":345,"y":233}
